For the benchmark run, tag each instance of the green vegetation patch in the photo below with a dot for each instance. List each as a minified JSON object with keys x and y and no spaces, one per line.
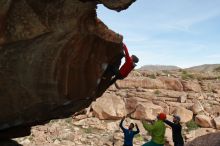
{"x":191,"y":125}
{"x":152,"y":76}
{"x":185,"y":75}
{"x":157,"y":92}
{"x":69,"y":120}
{"x":88,"y":130}
{"x":217,"y":69}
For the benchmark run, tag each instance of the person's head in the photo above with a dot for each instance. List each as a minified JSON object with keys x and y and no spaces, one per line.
{"x":131,"y":126}
{"x":135,"y":59}
{"x":176,"y":119}
{"x":161,"y":116}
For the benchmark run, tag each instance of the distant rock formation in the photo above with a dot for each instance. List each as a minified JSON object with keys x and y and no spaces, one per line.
{"x":205,"y":68}
{"x":159,"y":67}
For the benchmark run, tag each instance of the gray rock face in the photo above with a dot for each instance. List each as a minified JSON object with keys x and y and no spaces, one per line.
{"x":209,"y":139}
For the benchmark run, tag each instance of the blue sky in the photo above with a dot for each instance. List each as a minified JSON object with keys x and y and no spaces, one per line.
{"x":169,"y":32}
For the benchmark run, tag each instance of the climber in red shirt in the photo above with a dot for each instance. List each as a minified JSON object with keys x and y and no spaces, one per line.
{"x":127,"y":67}
{"x":113,"y":70}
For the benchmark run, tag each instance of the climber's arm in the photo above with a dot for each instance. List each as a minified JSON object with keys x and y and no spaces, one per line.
{"x":147,"y":127}
{"x":136,"y":132}
{"x":171,"y":124}
{"x":121,"y":124}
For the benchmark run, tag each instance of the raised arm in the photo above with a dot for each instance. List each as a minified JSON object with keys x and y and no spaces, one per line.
{"x":136,"y":132}
{"x":171,"y":124}
{"x":147,"y":127}
{"x":127,"y":56}
{"x":121,"y":124}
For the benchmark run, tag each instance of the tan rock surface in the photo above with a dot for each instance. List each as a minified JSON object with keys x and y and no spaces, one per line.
{"x":191,"y":86}
{"x":203,"y":121}
{"x":109,"y":107}
{"x":185,"y":114}
{"x":147,"y":111}
{"x":217,"y":122}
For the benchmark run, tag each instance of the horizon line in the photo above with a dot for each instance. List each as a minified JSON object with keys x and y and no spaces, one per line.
{"x":177,"y":65}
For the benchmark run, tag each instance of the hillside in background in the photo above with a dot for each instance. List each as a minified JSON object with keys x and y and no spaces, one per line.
{"x":199,"y":68}
{"x":159,"y":67}
{"x":205,"y":68}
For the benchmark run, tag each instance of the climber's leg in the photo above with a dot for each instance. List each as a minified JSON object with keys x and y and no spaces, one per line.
{"x":113,"y":80}
{"x":104,"y":83}
{"x":111,"y":70}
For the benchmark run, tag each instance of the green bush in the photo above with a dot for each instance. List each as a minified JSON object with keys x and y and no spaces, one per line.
{"x":30,"y":138}
{"x":88,"y":130}
{"x":191,"y":125}
{"x":157,"y":92}
{"x":152,"y":76}
{"x":69,"y":120}
{"x":184,"y":72}
{"x":185,"y":75}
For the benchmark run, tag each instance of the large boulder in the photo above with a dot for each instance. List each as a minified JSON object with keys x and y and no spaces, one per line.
{"x":171,"y":83}
{"x":203,"y":121}
{"x":146,"y":110}
{"x":164,"y":105}
{"x":53,"y":55}
{"x":197,"y":133}
{"x":191,"y":86}
{"x":211,"y":139}
{"x":139,"y":108}
{"x":212,"y":109}
{"x":149,"y":83}
{"x":185,"y":114}
{"x":217,"y":122}
{"x":109,"y":107}
{"x":142,"y":82}
{"x":172,"y":93}
{"x":131,"y":104}
{"x":197,"y":107}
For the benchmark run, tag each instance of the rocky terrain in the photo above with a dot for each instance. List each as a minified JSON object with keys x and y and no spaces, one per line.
{"x":195,"y":96}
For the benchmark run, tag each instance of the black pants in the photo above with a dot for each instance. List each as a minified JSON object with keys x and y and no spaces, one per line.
{"x":115,"y":78}
{"x":105,"y":83}
{"x":178,"y":144}
{"x":115,"y":72}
